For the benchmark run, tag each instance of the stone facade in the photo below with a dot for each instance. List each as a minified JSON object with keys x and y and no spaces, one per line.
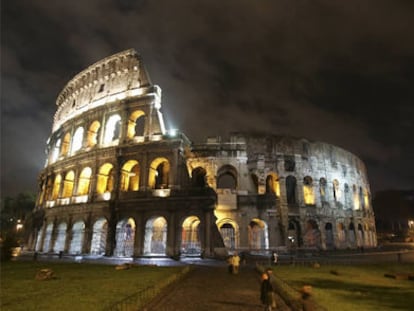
{"x":117,"y":183}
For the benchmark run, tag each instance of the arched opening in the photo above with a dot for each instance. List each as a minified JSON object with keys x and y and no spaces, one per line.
{"x":322,"y":189}
{"x":294,"y":234}
{"x":99,"y":235}
{"x":159,"y":174}
{"x":308,"y":194}
{"x":125,"y":237}
{"x":92,"y":138}
{"x":272,"y":184}
{"x":136,"y":124}
{"x":65,"y":145}
{"x":341,"y":234}
{"x":68,"y":185}
{"x":361,"y":240}
{"x":329,"y":236}
{"x":105,"y":179}
{"x":78,"y":232}
{"x":227,"y":177}
{"x":56,"y":150}
{"x":351,"y":235}
{"x":336,"y":190}
{"x":198,"y":177}
{"x":190,"y":237}
{"x":258,"y":235}
{"x":291,"y":189}
{"x":130,"y":176}
{"x":48,"y":237}
{"x":60,"y":238}
{"x":312,"y":237}
{"x":56,"y":187}
{"x":155,"y":241}
{"x":347,"y":196}
{"x":77,"y":140}
{"x":356,"y":197}
{"x":112,"y":129}
{"x":228,"y":234}
{"x":84,"y":181}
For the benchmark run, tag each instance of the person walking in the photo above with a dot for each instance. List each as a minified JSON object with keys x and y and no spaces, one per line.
{"x":236,"y":263}
{"x":267,"y":296}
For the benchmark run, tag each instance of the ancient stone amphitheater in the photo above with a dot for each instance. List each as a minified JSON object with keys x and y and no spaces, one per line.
{"x":118,"y":183}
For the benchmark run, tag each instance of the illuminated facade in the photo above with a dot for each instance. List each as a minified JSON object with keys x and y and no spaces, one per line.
{"x":117,"y":183}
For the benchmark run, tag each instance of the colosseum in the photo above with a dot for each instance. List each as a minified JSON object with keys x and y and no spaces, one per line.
{"x":118,"y":183}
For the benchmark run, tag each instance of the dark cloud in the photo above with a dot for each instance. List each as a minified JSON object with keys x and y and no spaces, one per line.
{"x":335,"y":71}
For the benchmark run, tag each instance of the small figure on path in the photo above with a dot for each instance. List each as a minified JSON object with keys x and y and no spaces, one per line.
{"x":274,"y":258}
{"x":236,"y":263}
{"x":267,"y":296}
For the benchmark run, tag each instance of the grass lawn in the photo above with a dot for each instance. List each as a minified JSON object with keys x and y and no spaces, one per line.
{"x":76,"y":286}
{"x":361,"y":287}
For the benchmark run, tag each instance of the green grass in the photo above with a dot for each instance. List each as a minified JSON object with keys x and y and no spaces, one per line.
{"x":76,"y":286}
{"x":354,"y":287}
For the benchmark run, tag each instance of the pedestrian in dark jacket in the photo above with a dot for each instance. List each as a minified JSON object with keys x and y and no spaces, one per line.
{"x":267,"y":295}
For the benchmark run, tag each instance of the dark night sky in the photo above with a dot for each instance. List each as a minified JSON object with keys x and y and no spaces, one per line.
{"x":336,"y":71}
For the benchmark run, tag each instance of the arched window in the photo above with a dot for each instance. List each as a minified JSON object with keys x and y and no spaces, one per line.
{"x":65,"y":145}
{"x":227,"y":177}
{"x":272,"y":184}
{"x":77,"y":140}
{"x":198,"y":177}
{"x":130,"y":176}
{"x":84,"y":181}
{"x":291,"y":189}
{"x":336,"y":190}
{"x":55,"y":151}
{"x":68,"y":185}
{"x":105,"y":179}
{"x":159,"y":174}
{"x":356,"y":197}
{"x":308,"y":194}
{"x":93,"y":131}
{"x":112,"y":129}
{"x":136,"y":124}
{"x":322,"y":189}
{"x":56,"y":187}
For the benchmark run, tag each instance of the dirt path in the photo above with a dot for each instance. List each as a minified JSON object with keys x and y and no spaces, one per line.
{"x":213,"y":288}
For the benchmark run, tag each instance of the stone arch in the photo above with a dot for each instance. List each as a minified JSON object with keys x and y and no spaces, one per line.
{"x":155,"y":239}
{"x":198,"y":177}
{"x":229,"y":231}
{"x":272,"y":184}
{"x":48,"y":237}
{"x":105,"y":179}
{"x":158,"y":177}
{"x":99,"y":236}
{"x":77,"y":140}
{"x":291,"y":189}
{"x":130,"y":173}
{"x":360,"y":236}
{"x":227,"y":177}
{"x":312,"y":236}
{"x":329,"y":236}
{"x":65,"y":145}
{"x":322,"y":189}
{"x":258,"y":235}
{"x":308,"y":194}
{"x":341,"y":234}
{"x":60,"y":241}
{"x":112,"y":129}
{"x":351,"y":235}
{"x":92,"y":136}
{"x":136,"y":124}
{"x":56,"y":150}
{"x":125,"y":237}
{"x":190,"y":236}
{"x":68,"y":184}
{"x":336,"y":190}
{"x":78,"y":233}
{"x":84,"y":181}
{"x":56,"y":187}
{"x":294,"y":233}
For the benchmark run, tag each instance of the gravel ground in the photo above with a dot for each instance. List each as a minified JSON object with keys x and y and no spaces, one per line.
{"x":213,"y":288}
